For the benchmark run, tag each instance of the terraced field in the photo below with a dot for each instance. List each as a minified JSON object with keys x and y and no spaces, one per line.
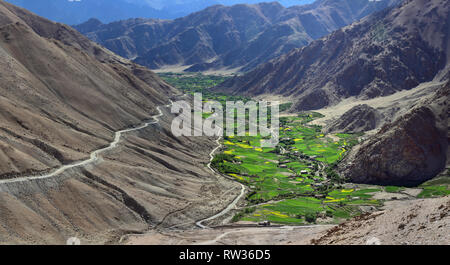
{"x":295,"y":182}
{"x":198,"y":83}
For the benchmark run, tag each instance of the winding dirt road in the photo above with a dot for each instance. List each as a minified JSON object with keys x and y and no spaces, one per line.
{"x":94,"y":156}
{"x":233,"y":204}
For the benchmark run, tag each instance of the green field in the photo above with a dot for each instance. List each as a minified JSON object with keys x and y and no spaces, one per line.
{"x":297,"y":174}
{"x":295,"y":182}
{"x":437,"y":187}
{"x":198,"y":83}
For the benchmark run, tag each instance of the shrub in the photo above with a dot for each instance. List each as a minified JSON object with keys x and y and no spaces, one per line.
{"x":311,"y":217}
{"x":237,"y":217}
{"x":249,"y":210}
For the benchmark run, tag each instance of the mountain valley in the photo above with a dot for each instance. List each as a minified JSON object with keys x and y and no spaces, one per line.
{"x":88,"y":149}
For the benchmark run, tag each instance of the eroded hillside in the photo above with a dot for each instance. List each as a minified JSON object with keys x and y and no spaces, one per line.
{"x":64,"y":97}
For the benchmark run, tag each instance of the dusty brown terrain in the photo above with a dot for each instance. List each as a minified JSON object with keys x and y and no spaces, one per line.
{"x":231,"y":236}
{"x":360,"y":118}
{"x":61,"y":98}
{"x":389,"y":107}
{"x":420,"y":222}
{"x":62,"y":95}
{"x":151,"y":180}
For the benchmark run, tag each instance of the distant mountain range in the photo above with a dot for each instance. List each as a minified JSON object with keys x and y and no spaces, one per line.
{"x":78,"y":11}
{"x":222,"y":37}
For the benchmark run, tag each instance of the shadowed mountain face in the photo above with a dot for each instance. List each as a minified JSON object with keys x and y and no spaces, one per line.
{"x":219,"y":37}
{"x":408,"y":151}
{"x":360,"y":118}
{"x":390,"y":51}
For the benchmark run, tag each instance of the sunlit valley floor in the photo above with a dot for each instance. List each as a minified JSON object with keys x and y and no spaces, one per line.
{"x":294,"y":186}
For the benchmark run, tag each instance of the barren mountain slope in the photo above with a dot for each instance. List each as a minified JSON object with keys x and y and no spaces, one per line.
{"x":62,"y":95}
{"x":360,"y":118}
{"x":420,"y":222}
{"x":61,"y":98}
{"x":151,"y":180}
{"x":218,"y":37}
{"x":393,"y":50}
{"x":408,"y":151}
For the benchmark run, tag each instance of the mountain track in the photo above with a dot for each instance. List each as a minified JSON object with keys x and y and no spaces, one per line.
{"x":94,"y":156}
{"x":233,"y":204}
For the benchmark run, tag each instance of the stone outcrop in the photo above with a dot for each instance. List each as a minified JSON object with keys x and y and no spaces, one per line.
{"x":360,"y":118}
{"x":406,"y":152}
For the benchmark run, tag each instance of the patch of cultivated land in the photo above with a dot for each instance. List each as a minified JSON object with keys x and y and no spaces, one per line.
{"x":294,"y":183}
{"x":294,"y":186}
